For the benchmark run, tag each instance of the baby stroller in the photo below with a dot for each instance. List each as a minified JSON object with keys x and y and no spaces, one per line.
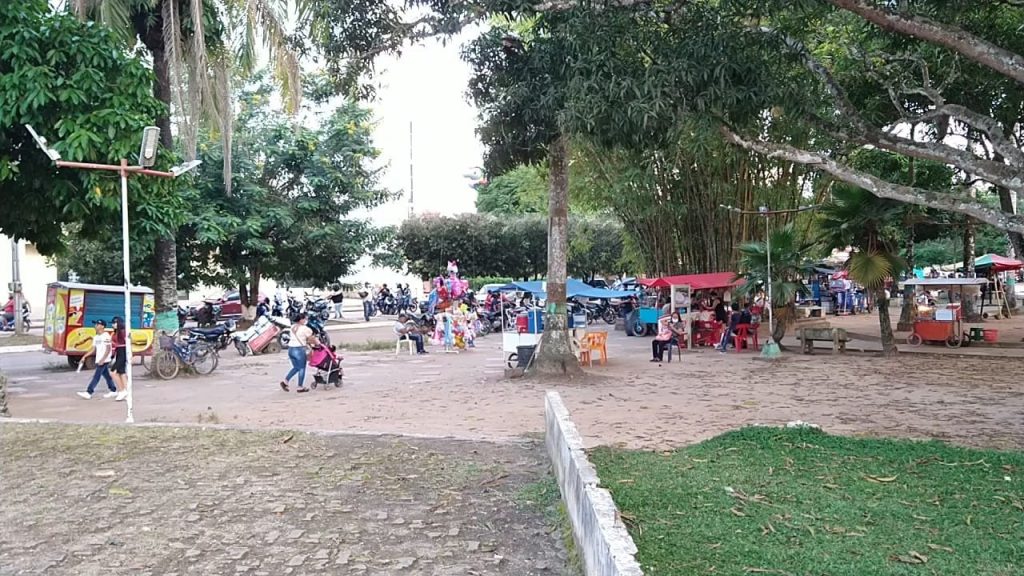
{"x":328,"y":366}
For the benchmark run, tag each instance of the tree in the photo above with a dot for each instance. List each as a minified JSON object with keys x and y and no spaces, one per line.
{"x":74,"y":84}
{"x":289,"y":217}
{"x":518,"y":84}
{"x":192,"y":48}
{"x":788,"y":259}
{"x":522,"y":190}
{"x":870,"y":225}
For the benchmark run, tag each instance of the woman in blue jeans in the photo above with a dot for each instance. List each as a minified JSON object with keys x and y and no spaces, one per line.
{"x":301,"y":337}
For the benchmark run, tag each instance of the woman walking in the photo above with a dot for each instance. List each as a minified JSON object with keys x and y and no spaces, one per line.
{"x":120,"y":367}
{"x":301,"y":338}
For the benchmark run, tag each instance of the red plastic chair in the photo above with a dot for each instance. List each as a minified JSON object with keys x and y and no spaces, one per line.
{"x":742,"y":334}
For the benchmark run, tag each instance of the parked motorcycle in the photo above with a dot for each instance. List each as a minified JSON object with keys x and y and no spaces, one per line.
{"x":208,"y":315}
{"x":220,"y":336}
{"x":387,"y":305}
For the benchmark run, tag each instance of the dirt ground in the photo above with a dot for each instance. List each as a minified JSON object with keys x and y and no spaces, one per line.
{"x":630,"y":402}
{"x":102,"y":500}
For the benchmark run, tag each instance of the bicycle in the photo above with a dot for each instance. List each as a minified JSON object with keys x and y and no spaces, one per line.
{"x":194,"y":353}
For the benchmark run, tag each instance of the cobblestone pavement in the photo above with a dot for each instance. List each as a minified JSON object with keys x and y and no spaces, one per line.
{"x":103,"y":500}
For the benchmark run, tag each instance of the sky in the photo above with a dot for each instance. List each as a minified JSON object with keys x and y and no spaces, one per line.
{"x":426,"y":85}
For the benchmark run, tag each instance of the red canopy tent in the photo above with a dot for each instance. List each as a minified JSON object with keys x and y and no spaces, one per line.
{"x":696,"y":281}
{"x":997,"y":263}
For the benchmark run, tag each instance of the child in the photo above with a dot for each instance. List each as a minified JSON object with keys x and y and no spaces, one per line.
{"x":101,"y":350}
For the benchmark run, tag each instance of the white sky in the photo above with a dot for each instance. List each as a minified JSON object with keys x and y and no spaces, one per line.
{"x":426,"y":85}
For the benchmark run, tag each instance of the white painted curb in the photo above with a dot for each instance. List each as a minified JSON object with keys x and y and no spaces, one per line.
{"x":18,"y":349}
{"x":604,"y":544}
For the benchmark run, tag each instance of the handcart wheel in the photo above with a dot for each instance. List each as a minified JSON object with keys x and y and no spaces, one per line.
{"x":954,"y":341}
{"x":513,"y":359}
{"x":914,"y":339}
{"x":273,"y":347}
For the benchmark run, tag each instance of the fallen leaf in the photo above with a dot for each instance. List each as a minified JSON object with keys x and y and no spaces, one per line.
{"x":830,"y":486}
{"x":922,"y":518}
{"x":736,"y":512}
{"x":116,"y":491}
{"x":879,"y":479}
{"x":919,"y":556}
{"x":912,"y":558}
{"x":967,"y":521}
{"x":626,"y":481}
{"x":288,"y":439}
{"x":938,"y":547}
{"x":715,"y":546}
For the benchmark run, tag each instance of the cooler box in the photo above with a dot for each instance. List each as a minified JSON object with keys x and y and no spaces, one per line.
{"x":578,"y":320}
{"x":535,"y":321}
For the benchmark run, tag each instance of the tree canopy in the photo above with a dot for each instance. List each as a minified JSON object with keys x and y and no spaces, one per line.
{"x":72,"y":81}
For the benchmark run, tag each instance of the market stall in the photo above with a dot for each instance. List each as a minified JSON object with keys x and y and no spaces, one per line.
{"x":525,"y":334}
{"x":941,"y":322}
{"x":682,"y":289}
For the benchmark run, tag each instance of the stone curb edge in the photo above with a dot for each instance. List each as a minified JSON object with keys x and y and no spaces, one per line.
{"x":604,"y":544}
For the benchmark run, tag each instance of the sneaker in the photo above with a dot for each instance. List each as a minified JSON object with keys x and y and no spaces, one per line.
{"x":110,"y":394}
{"x":121,"y":396}
{"x":284,"y":385}
{"x":84,"y":395}
{"x":301,"y":390}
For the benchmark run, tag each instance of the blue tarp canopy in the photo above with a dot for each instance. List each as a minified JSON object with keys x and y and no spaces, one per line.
{"x":573,"y":288}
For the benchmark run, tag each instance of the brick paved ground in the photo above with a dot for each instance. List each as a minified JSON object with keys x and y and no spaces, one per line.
{"x":102,"y":500}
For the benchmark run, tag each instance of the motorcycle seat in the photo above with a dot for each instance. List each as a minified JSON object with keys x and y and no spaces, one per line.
{"x":215,"y":331}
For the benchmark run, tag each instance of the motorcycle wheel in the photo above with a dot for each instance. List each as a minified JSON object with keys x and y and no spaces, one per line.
{"x":609,"y":316}
{"x":242,"y":347}
{"x":283,"y":338}
{"x":325,"y":339}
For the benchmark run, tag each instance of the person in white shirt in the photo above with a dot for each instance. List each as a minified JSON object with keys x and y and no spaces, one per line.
{"x":101,"y":349}
{"x":302,"y":338}
{"x":405,"y":331}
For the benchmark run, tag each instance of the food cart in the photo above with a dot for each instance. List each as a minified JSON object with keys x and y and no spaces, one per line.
{"x":681,"y":289}
{"x":526,"y":332}
{"x":72,"y":308}
{"x":942,"y":323}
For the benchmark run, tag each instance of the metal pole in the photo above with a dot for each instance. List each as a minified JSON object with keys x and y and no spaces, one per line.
{"x":19,"y":326}
{"x":768,"y":246}
{"x":125,"y":254}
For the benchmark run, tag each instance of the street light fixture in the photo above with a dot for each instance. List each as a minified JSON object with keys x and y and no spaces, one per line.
{"x":147,"y":156}
{"x":150,"y":141}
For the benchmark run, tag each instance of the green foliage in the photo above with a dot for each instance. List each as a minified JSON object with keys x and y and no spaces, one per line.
{"x":949,"y":249}
{"x":804,"y":502}
{"x":504,"y":247}
{"x":73,"y":82}
{"x":871,"y":226}
{"x":522,"y":190}
{"x":788,"y":259}
{"x":288,"y":216}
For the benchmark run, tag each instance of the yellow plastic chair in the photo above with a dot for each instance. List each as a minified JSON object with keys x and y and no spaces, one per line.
{"x":594,"y":342}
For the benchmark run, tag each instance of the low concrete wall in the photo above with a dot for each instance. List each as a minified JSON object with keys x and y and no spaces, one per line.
{"x":601,"y":538}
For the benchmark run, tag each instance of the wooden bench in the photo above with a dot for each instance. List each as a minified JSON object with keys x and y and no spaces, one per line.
{"x":837,"y":336}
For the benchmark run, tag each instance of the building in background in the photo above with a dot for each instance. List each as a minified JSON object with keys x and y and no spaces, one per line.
{"x":36,"y":273}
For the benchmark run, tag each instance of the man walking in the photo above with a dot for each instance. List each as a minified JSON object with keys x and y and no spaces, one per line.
{"x":101,"y":350}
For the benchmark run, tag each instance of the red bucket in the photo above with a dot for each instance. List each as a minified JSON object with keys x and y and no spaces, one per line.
{"x":990,"y":335}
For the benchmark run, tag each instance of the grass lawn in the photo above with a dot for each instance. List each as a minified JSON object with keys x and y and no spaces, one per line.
{"x":24,"y":340}
{"x":801,"y":502}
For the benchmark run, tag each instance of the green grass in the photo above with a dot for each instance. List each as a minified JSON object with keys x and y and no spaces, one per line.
{"x":23,"y":340}
{"x":800,"y":502}
{"x":370,"y":345}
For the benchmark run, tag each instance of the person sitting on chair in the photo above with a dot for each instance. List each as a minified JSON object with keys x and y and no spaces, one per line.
{"x":405,"y":331}
{"x":663,"y":340}
{"x":678,"y":327}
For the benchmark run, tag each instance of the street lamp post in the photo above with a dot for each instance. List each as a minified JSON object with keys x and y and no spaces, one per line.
{"x":770,"y":349}
{"x":147,"y":157}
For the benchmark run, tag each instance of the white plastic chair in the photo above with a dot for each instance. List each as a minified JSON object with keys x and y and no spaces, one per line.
{"x":400,"y":341}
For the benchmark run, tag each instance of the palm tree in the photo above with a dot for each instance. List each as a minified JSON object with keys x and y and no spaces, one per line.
{"x":192,"y":44}
{"x":855,"y":218}
{"x":787,"y":257}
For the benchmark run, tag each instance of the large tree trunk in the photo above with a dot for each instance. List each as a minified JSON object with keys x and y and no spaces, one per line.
{"x":907,"y":311}
{"x":555,"y":354}
{"x":165,"y":255}
{"x":885,"y":324}
{"x":782,"y":317}
{"x":970,"y":314}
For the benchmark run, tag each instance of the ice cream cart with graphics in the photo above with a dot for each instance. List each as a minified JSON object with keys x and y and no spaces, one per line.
{"x":72,"y":308}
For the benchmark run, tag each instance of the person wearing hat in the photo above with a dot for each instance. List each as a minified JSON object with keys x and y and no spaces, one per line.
{"x":101,"y":349}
